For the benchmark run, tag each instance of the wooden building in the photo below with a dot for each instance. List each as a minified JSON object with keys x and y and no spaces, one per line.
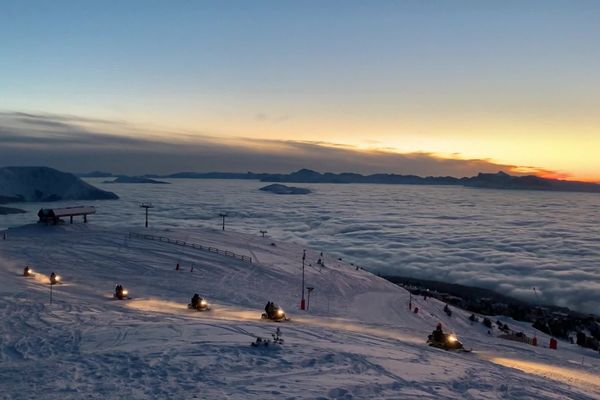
{"x":55,"y":215}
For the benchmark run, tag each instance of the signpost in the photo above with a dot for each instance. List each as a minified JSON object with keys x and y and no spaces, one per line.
{"x":302,"y":302}
{"x":223,"y":215}
{"x":309,"y":289}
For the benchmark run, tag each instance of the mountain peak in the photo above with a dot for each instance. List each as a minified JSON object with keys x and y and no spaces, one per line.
{"x":305,"y":171}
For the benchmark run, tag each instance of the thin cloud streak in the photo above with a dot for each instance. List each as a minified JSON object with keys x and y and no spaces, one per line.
{"x":82,"y":144}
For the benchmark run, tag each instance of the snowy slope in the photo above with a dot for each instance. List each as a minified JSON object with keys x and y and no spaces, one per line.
{"x":47,"y":184}
{"x":359,"y":339}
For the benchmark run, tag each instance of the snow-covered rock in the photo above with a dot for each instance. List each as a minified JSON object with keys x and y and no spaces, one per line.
{"x":46,"y":184}
{"x":135,"y":179}
{"x":283,"y":189}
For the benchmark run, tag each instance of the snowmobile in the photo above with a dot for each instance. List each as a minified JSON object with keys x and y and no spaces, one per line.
{"x":121,"y":293}
{"x":27,"y":271}
{"x":449,"y":341}
{"x":54,"y":279}
{"x":277,"y":314}
{"x":198,"y":304}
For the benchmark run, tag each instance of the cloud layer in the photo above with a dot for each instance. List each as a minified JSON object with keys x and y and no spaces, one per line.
{"x":510,"y":241}
{"x":82,"y":144}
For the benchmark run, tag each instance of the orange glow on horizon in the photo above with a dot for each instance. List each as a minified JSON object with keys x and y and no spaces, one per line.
{"x":519,"y":147}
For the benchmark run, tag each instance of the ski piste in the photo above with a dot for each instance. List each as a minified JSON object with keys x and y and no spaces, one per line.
{"x":358,"y":338}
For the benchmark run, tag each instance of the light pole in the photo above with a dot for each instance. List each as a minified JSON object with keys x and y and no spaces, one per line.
{"x":146,"y":206}
{"x":223,"y":215}
{"x":537,"y":299}
{"x":302,"y":302}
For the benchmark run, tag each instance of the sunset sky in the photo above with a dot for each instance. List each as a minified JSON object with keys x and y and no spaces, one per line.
{"x":512,"y":84}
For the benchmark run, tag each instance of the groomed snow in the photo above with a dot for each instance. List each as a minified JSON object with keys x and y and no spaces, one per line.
{"x":359,"y":339}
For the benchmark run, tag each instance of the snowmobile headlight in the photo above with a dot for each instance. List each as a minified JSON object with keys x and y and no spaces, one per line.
{"x":57,"y":278}
{"x":203,"y":302}
{"x":452,"y":338}
{"x":280,"y":312}
{"x":125,"y":292}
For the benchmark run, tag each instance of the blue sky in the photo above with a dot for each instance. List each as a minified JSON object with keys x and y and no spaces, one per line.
{"x":467,"y":79}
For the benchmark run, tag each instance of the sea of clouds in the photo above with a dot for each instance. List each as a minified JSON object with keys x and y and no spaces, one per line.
{"x":510,"y":241}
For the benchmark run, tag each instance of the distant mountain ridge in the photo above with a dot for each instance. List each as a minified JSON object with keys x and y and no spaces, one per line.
{"x":309,"y":176}
{"x":213,"y":175}
{"x":500,"y":180}
{"x":94,"y":174}
{"x":10,"y":210}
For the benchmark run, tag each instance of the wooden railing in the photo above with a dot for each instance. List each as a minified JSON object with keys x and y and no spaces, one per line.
{"x":197,"y":246}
